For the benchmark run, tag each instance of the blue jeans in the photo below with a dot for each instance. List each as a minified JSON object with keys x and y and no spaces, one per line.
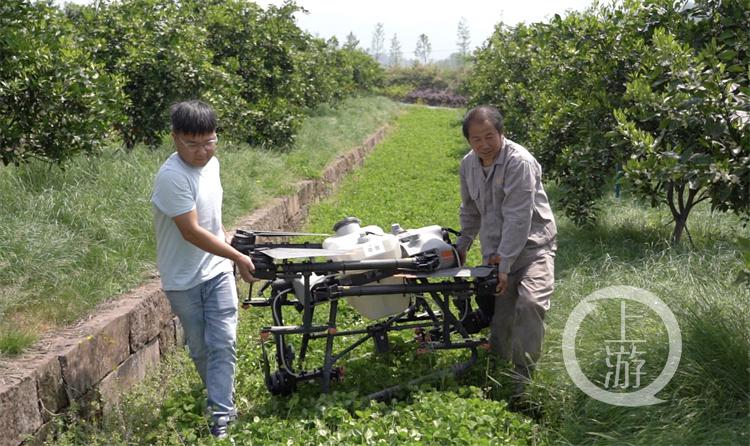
{"x":208,"y":313}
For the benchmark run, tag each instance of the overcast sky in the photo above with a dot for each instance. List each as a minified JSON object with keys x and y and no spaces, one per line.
{"x":438,"y":19}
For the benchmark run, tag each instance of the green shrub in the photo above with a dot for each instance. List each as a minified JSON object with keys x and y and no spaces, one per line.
{"x":426,"y":84}
{"x":161,"y":56}
{"x":366,"y":73}
{"x":396,"y":92}
{"x":418,"y":77}
{"x":255,"y":66}
{"x":54,"y":101}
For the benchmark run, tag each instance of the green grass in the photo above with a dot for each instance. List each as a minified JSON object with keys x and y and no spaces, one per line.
{"x":707,"y":400}
{"x":72,"y":238}
{"x":16,"y":340}
{"x":411,"y":179}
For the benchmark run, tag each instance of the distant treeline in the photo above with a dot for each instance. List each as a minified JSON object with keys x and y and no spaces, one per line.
{"x":68,"y":79}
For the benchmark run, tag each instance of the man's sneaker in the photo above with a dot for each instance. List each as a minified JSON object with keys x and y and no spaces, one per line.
{"x":219,"y":427}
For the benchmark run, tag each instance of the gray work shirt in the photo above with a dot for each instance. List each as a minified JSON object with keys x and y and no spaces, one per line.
{"x":508,"y":207}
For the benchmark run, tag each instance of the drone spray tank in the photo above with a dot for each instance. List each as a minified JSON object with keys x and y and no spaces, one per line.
{"x":368,"y":243}
{"x":371,"y":243}
{"x":426,"y":239}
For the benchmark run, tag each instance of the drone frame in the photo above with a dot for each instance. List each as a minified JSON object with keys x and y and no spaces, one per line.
{"x":435,"y":327}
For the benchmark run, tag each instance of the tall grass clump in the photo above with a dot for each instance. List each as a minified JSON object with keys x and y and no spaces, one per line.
{"x":73,"y":237}
{"x":706,"y":402}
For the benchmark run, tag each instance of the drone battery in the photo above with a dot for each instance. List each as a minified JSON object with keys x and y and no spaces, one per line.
{"x":426,"y":239}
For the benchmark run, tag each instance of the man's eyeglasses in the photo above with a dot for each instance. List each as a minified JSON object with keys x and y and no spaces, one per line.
{"x":194,"y":146}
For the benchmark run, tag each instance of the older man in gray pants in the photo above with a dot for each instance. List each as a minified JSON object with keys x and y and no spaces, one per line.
{"x":503,"y":201}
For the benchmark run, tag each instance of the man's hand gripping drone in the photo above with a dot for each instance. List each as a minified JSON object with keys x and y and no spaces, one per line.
{"x":403,"y":280}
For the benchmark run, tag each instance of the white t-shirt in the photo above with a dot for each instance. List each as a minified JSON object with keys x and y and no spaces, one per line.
{"x":180,"y":188}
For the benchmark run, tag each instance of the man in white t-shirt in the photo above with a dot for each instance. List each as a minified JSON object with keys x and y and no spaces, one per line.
{"x":194,"y":257}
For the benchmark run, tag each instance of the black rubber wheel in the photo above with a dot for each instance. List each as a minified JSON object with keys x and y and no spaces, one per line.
{"x":281,"y":382}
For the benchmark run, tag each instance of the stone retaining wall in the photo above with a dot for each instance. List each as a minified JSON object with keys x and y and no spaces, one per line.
{"x":111,"y":350}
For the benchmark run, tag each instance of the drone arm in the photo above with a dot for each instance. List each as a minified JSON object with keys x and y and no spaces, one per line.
{"x":264,"y":267}
{"x":333,"y":288}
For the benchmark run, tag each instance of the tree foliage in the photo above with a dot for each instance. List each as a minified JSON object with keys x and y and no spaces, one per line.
{"x":351,"y":41}
{"x":377,"y":49}
{"x":255,"y":65}
{"x":395,"y":55}
{"x":463,"y":35}
{"x":67,"y":80}
{"x":54,"y":101}
{"x":160,"y":56}
{"x":600,"y":91}
{"x":687,"y":124}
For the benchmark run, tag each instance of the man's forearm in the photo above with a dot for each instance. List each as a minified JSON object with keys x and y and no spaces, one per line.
{"x":470,"y":222}
{"x":210,"y":243}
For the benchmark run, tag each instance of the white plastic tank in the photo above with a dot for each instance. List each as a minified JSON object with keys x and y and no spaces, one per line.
{"x":368,"y":243}
{"x":426,"y":239}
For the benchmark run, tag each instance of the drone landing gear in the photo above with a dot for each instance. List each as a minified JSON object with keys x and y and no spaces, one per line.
{"x":284,"y":383}
{"x":437,"y":325}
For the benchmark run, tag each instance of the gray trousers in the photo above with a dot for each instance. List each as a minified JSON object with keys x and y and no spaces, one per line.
{"x":517,"y":329}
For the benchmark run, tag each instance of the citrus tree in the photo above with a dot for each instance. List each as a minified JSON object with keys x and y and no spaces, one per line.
{"x":687,"y":119}
{"x":599,"y":92}
{"x":160,"y":56}
{"x":54,"y":101}
{"x":255,"y":66}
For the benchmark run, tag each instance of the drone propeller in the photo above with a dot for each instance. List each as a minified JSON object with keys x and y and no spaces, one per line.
{"x":283,"y":253}
{"x":480,"y":271}
{"x":278,"y":233}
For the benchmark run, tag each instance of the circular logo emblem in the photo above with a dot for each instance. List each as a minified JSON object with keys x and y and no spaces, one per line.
{"x":643,"y":396}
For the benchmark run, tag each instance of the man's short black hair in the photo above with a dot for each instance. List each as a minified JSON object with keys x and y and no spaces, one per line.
{"x":193,"y":118}
{"x":483,"y":113}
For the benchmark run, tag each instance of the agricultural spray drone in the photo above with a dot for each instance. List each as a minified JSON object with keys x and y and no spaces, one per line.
{"x":402,"y":280}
